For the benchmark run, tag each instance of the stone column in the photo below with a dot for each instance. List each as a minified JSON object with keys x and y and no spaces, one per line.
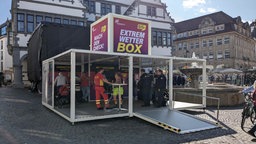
{"x":17,"y":69}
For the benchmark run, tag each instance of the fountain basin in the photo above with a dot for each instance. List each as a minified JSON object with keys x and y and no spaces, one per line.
{"x":229,"y":96}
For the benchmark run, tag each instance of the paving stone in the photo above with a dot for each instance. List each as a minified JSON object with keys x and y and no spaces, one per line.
{"x":24,"y":120}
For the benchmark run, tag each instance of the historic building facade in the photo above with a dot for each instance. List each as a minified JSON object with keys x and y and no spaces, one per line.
{"x":5,"y":57}
{"x":220,"y":39}
{"x":153,"y":10}
{"x":27,"y":14}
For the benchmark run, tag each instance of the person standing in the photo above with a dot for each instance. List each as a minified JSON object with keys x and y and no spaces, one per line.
{"x":145,"y":85}
{"x":99,"y":80}
{"x":60,"y":81}
{"x":116,"y":90}
{"x":159,"y":88}
{"x":85,"y":86}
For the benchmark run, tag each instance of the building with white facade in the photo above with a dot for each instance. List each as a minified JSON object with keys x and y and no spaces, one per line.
{"x":27,"y":14}
{"x":5,"y":57}
{"x":153,"y":10}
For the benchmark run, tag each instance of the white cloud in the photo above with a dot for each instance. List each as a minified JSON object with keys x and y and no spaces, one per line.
{"x":192,"y":3}
{"x":207,"y":10}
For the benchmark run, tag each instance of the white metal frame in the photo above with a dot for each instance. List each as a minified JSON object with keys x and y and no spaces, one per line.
{"x":130,"y":112}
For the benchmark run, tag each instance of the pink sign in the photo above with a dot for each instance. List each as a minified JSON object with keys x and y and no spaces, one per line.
{"x":130,"y":36}
{"x":99,"y":36}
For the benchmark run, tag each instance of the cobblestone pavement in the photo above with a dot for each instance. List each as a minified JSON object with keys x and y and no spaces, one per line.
{"x":23,"y":120}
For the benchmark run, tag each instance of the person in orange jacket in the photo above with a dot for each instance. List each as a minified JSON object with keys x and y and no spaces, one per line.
{"x":99,"y":80}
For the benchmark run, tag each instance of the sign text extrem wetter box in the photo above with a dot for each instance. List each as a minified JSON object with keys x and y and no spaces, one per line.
{"x":122,"y":34}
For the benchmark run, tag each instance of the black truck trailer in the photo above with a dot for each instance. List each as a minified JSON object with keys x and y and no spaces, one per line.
{"x":50,"y":39}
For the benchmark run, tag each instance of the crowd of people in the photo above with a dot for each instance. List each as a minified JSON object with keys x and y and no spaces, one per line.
{"x":147,"y":87}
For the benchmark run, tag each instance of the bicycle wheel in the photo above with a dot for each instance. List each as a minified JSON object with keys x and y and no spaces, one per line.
{"x":246,"y":122}
{"x":253,"y":116}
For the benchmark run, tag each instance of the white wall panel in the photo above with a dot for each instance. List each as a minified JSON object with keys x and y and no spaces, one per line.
{"x":163,"y":51}
{"x":157,"y":2}
{"x":160,"y":25}
{"x":23,"y":39}
{"x":97,"y":7}
{"x":50,"y":9}
{"x":7,"y":59}
{"x":76,"y":3}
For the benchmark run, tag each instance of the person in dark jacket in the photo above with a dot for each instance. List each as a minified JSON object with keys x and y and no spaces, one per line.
{"x":145,"y":85}
{"x":159,"y":88}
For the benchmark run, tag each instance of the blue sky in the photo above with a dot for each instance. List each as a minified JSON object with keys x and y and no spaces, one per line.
{"x":5,"y":7}
{"x":182,"y":10}
{"x":185,"y":9}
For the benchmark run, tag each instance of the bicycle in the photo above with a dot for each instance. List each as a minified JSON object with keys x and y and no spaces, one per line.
{"x":248,"y":111}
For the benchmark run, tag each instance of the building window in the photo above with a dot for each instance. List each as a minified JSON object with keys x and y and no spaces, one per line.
{"x":185,"y":34}
{"x":205,"y":56}
{"x":180,"y":46}
{"x":204,"y":44}
{"x":154,"y":38}
{"x":151,"y":11}
{"x":185,"y":46}
{"x":219,"y":41}
{"x":159,"y":38}
{"x":21,"y":22}
{"x":57,"y":20}
{"x":210,"y":30}
{"x":204,"y":31}
{"x":210,"y":43}
{"x":73,"y":22}
{"x":190,"y":33}
{"x":91,"y":5}
{"x":65,"y":21}
{"x":219,"y":27}
{"x":3,"y":30}
{"x":2,"y":45}
{"x":39,"y":19}
{"x":191,"y":45}
{"x":226,"y":40}
{"x":164,"y":35}
{"x":219,"y":55}
{"x":2,"y":66}
{"x":2,"y":57}
{"x":210,"y":55}
{"x":169,"y":39}
{"x":197,"y":45}
{"x":48,"y":19}
{"x":105,"y":9}
{"x":118,"y":9}
{"x":80,"y":23}
{"x":30,"y":23}
{"x":227,"y":54}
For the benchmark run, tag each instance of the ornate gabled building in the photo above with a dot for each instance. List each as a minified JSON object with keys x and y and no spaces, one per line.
{"x":218,"y":38}
{"x":153,"y":10}
{"x":27,"y":14}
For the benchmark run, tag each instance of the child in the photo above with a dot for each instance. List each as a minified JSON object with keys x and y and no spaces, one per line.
{"x":118,"y":80}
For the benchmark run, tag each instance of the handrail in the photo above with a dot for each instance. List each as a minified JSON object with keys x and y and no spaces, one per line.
{"x":214,"y":98}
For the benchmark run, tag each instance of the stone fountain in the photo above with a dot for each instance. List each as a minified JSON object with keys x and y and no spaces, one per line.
{"x":193,"y":71}
{"x":229,"y":95}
